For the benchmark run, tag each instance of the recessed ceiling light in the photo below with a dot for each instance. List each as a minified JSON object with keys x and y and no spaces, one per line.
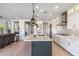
{"x":37,"y":7}
{"x":56,"y":7}
{"x":41,"y":10}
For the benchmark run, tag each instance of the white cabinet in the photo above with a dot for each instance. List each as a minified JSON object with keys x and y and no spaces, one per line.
{"x":62,"y":42}
{"x":74,"y":48}
{"x":67,"y":45}
{"x":71,"y":45}
{"x":57,"y":40}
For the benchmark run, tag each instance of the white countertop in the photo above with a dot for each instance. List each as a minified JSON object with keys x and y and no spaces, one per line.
{"x":37,"y":38}
{"x":70,"y":38}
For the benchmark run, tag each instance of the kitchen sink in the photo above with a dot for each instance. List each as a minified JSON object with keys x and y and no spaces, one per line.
{"x":64,"y":34}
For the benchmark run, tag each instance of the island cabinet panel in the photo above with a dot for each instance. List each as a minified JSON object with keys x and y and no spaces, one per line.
{"x":41,"y":48}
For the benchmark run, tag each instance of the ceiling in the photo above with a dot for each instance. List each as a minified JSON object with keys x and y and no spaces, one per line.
{"x":43,"y":11}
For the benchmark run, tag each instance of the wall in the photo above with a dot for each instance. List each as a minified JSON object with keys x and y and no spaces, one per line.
{"x":25,"y":27}
{"x":72,"y":22}
{"x":44,"y":27}
{"x":21,"y":29}
{"x":55,"y":27}
{"x":10,"y":25}
{"x":73,"y":19}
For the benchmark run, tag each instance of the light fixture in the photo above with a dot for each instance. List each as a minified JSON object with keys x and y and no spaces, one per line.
{"x":33,"y":21}
{"x":41,"y":10}
{"x":56,"y":7}
{"x":37,"y":7}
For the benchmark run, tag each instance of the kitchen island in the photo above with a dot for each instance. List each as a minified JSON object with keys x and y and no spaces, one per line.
{"x":41,"y":45}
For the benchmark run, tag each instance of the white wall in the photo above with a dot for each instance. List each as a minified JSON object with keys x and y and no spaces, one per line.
{"x":26,"y":27}
{"x":11,"y":26}
{"x":73,"y":19}
{"x":21,"y":29}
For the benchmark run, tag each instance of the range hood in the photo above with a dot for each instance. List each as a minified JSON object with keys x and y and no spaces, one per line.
{"x":63,"y":19}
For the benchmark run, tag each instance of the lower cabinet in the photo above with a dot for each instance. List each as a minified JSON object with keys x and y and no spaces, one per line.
{"x":41,"y":48}
{"x":74,"y":48}
{"x":71,"y":45}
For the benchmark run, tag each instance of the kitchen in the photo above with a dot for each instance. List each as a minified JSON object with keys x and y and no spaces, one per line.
{"x":41,"y":24}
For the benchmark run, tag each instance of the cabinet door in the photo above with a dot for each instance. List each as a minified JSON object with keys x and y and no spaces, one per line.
{"x":74,"y":48}
{"x":57,"y":40}
{"x":41,"y":48}
{"x":62,"y":42}
{"x":67,"y":45}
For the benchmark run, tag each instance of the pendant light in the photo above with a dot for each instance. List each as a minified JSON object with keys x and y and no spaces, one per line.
{"x":33,"y":21}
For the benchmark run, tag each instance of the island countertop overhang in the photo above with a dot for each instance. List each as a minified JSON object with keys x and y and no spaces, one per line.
{"x":37,"y":38}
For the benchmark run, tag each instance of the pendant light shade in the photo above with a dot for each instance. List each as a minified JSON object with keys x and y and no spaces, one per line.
{"x":33,"y":21}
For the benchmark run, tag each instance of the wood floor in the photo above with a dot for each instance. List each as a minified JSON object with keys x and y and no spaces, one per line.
{"x":22,"y":48}
{"x":59,"y":51}
{"x":19,"y":48}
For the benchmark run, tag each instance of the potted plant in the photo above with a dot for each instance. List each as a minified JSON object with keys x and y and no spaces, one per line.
{"x":2,"y":26}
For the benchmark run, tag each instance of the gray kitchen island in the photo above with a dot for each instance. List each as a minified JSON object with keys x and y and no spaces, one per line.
{"x":40,"y":45}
